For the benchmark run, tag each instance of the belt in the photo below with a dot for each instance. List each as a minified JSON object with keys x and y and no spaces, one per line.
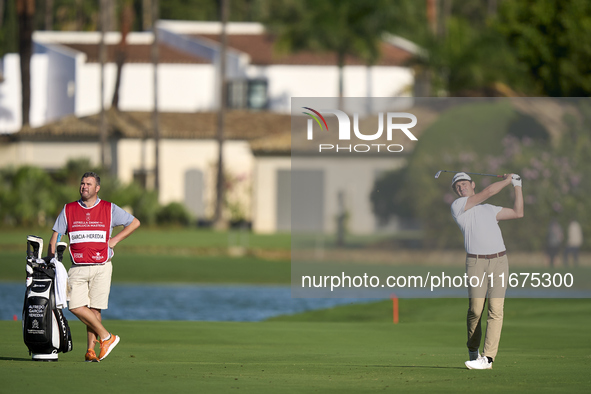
{"x":487,"y":256}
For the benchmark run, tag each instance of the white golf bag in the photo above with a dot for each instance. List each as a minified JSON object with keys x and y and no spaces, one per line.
{"x":45,"y":329}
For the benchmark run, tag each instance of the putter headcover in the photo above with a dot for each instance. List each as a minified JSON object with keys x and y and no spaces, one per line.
{"x":460,"y":176}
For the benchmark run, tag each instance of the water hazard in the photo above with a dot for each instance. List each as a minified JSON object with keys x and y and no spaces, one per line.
{"x":188,"y":302}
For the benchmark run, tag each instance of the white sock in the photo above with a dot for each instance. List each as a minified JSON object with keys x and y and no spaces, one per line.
{"x":106,"y":339}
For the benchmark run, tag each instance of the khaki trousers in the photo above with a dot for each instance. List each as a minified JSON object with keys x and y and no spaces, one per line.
{"x":491,"y":289}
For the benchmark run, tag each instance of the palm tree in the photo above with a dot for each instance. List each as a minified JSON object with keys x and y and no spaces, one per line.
{"x":127,"y":17}
{"x":48,"y":15}
{"x":155,"y":115}
{"x":342,"y":27}
{"x":102,"y":59}
{"x":25,"y":10}
{"x":220,"y":181}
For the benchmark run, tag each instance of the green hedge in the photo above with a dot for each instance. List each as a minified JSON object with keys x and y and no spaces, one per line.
{"x":30,"y":196}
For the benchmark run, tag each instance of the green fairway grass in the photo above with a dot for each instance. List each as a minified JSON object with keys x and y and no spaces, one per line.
{"x":181,"y":238}
{"x":162,"y":268}
{"x":545,"y":348}
{"x":175,"y":255}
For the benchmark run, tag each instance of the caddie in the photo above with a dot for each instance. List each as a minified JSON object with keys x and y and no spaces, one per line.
{"x":486,"y":255}
{"x":89,"y":223}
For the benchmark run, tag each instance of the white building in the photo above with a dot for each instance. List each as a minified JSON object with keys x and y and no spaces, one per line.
{"x":253,"y":60}
{"x":65,"y":83}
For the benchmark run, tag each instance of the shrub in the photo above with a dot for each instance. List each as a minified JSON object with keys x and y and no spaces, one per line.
{"x":174,"y":213}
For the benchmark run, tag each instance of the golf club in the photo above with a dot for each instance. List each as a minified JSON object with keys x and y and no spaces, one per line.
{"x":471,"y":173}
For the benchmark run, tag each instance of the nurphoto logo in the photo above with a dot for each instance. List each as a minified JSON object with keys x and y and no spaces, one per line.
{"x":344,"y":132}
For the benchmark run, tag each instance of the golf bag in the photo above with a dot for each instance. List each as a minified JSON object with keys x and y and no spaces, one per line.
{"x":45,"y":329}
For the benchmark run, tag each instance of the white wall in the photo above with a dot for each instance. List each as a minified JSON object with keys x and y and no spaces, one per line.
{"x":176,"y":158}
{"x":179,"y":156}
{"x":61,"y":88}
{"x":182,"y":87}
{"x":47,"y":155}
{"x":63,"y":83}
{"x":10,"y":92}
{"x":265,"y":192}
{"x":287,"y":81}
{"x":10,"y":96}
{"x":354,"y":177}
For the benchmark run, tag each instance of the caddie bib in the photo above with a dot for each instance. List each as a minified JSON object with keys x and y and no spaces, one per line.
{"x":89,"y":230}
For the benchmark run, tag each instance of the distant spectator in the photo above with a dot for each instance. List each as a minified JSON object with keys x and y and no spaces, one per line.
{"x":554,"y":241}
{"x":574,"y":240}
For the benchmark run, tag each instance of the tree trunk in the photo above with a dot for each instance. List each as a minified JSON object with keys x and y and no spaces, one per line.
{"x":155,"y":117}
{"x":25,"y":10}
{"x":111,"y":16}
{"x":121,"y":52}
{"x":48,"y":15}
{"x":102,"y":59}
{"x":220,"y":181}
{"x":2,"y":4}
{"x":423,"y":76}
{"x":341,"y":66}
{"x":491,"y":8}
{"x":80,"y":15}
{"x":146,"y":15}
{"x":445,"y":14}
{"x":432,"y":15}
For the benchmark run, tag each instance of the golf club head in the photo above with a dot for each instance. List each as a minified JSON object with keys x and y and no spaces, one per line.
{"x":437,"y":175}
{"x":59,"y":251}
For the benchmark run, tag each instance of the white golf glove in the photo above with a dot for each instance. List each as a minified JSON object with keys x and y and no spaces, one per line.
{"x":516,"y":180}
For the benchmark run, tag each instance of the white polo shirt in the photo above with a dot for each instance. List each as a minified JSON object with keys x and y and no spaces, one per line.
{"x":480,"y":227}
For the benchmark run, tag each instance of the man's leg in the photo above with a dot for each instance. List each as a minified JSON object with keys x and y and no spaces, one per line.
{"x":494,"y":325}
{"x":100,"y":288}
{"x":93,"y":336}
{"x":496,"y":303}
{"x":79,"y":278}
{"x":477,"y":297}
{"x":89,"y":318}
{"x":475,"y":308}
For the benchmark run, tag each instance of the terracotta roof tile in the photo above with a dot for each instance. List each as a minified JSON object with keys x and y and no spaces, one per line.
{"x":260,"y":47}
{"x":139,"y":53}
{"x":239,"y":125}
{"x":278,"y":144}
{"x":268,"y":133}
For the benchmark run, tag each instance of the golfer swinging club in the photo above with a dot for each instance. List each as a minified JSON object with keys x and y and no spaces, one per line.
{"x":89,"y":224}
{"x":486,"y":255}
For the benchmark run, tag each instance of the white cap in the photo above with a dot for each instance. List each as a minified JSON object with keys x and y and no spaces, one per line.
{"x":460,"y":176}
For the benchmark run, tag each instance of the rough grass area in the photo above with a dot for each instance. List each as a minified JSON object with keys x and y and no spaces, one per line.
{"x":545,"y":348}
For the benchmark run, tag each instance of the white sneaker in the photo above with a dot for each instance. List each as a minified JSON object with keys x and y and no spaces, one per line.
{"x":473,"y":355}
{"x":480,"y":363}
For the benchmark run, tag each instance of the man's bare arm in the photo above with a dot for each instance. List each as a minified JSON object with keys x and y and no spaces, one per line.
{"x":126,"y":232}
{"x":517,"y":211}
{"x":51,"y":246}
{"x":488,"y":192}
